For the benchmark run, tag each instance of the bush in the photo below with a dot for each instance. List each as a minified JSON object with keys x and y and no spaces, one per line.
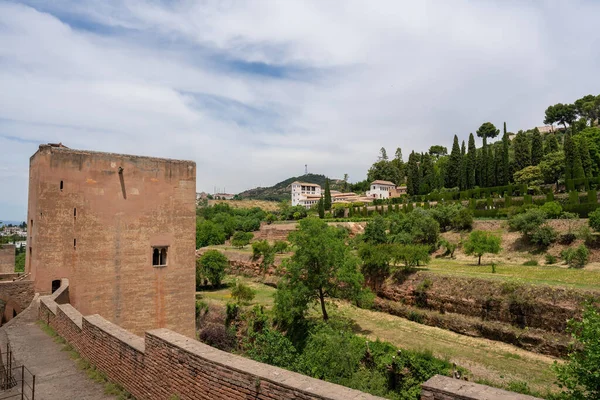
{"x":576,"y":257}
{"x":594,"y":221}
{"x":528,"y":222}
{"x":280,"y":246}
{"x":531,"y":263}
{"x":550,"y":259}
{"x":241,"y":239}
{"x":211,"y":265}
{"x":552,"y":209}
{"x":209,"y":233}
{"x":218,"y":336}
{"x":242,"y":293}
{"x":272,"y":347}
{"x":544,"y":236}
{"x":567,"y":238}
{"x":463,"y":220}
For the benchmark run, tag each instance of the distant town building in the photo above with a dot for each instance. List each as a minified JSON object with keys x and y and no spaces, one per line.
{"x":223,"y":196}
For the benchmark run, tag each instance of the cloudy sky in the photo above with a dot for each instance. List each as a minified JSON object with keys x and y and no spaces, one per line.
{"x":253,"y":90}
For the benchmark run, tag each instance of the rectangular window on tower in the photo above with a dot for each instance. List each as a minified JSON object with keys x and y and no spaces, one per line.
{"x":159,"y":256}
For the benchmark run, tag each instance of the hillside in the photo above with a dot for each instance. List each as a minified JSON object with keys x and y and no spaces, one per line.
{"x":281,"y":190}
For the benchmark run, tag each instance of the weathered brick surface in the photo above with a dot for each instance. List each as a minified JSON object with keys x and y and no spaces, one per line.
{"x":17,"y":295}
{"x":7,"y":258}
{"x":444,"y":388}
{"x":115,"y":219}
{"x":166,"y":363}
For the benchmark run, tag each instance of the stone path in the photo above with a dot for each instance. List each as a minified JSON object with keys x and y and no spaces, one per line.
{"x":57,"y":376}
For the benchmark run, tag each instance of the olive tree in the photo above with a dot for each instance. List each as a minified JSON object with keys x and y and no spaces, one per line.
{"x":480,"y":243}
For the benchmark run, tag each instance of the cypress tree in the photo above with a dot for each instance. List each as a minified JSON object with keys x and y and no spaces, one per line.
{"x":537,"y":147}
{"x":321,"y":207}
{"x":479,"y":168}
{"x":578,"y":172}
{"x":412,"y":175}
{"x":453,"y":171}
{"x":463,"y":167}
{"x":522,"y":151}
{"x":483,"y":165}
{"x":586,"y":158}
{"x":491,"y":166}
{"x":327,"y":201}
{"x":569,"y":149}
{"x":471,"y":162}
{"x":551,"y":144}
{"x":428,"y":173}
{"x":506,"y":175}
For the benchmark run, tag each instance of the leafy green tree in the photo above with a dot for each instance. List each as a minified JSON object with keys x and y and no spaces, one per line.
{"x":375,"y":231}
{"x":280,"y":246}
{"x":594,"y":220}
{"x":453,"y":171}
{"x":570,"y":155}
{"x":383,"y":154}
{"x":487,"y":130}
{"x":398,"y":165}
{"x":537,"y":147}
{"x":588,"y":107}
{"x":578,"y":172}
{"x":482,"y":166}
{"x":531,"y":175}
{"x":411,"y":255}
{"x":586,"y":158}
{"x":438,"y":151}
{"x":576,"y":257}
{"x":551,"y":144}
{"x":321,"y":267}
{"x":321,"y":208}
{"x":375,"y":263}
{"x":211,"y":265}
{"x":209,"y":233}
{"x":560,"y":113}
{"x":552,"y":166}
{"x":491,"y":166}
{"x":327,"y":199}
{"x":418,"y":226}
{"x":272,"y":347}
{"x":471,"y":162}
{"x":553,"y":209}
{"x":428,"y":181}
{"x":241,"y":239}
{"x":544,"y":236}
{"x":480,"y":243}
{"x":522,"y":151}
{"x":579,"y":377}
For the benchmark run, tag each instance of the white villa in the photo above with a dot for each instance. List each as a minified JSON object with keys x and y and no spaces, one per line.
{"x":308,"y":194}
{"x":385,"y":190}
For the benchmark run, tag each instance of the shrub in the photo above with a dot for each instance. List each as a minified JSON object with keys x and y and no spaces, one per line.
{"x":550,"y":259}
{"x":211,"y":265}
{"x":552,"y":209}
{"x":280,"y":246}
{"x":567,"y":238}
{"x":241,"y":239}
{"x":209,"y":233}
{"x":463,"y":220}
{"x":272,"y":347}
{"x":576,"y":257}
{"x":594,"y":221}
{"x":242,"y":293}
{"x":218,"y":336}
{"x":531,"y":263}
{"x":544,"y":236}
{"x":201,"y":308}
{"x":528,"y":222}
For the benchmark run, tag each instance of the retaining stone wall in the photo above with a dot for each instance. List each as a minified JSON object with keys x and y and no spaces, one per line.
{"x":444,"y":388}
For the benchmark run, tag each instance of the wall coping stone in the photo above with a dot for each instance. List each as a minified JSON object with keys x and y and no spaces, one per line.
{"x":463,"y":390}
{"x":72,"y":314}
{"x":279,"y":376}
{"x":116,"y":331}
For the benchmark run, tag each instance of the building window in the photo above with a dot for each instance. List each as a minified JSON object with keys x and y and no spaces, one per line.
{"x":61,"y":186}
{"x":159,"y":256}
{"x":75,"y":244}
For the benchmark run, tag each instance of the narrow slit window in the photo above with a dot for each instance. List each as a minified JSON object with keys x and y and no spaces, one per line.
{"x":75,"y":212}
{"x":159,"y":256}
{"x":75,"y":244}
{"x":61,"y":185}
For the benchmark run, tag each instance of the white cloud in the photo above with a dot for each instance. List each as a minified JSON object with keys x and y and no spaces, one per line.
{"x":169,"y":79}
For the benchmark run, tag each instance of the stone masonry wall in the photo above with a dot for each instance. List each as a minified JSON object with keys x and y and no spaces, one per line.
{"x":166,"y":363}
{"x":17,"y":295}
{"x":7,"y":258}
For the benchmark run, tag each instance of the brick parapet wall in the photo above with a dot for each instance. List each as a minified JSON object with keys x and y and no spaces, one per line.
{"x":165,"y":363}
{"x":7,"y":258}
{"x":17,"y":295}
{"x":444,"y":388}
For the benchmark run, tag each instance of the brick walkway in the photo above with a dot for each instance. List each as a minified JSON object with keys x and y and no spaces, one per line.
{"x":57,"y":376}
